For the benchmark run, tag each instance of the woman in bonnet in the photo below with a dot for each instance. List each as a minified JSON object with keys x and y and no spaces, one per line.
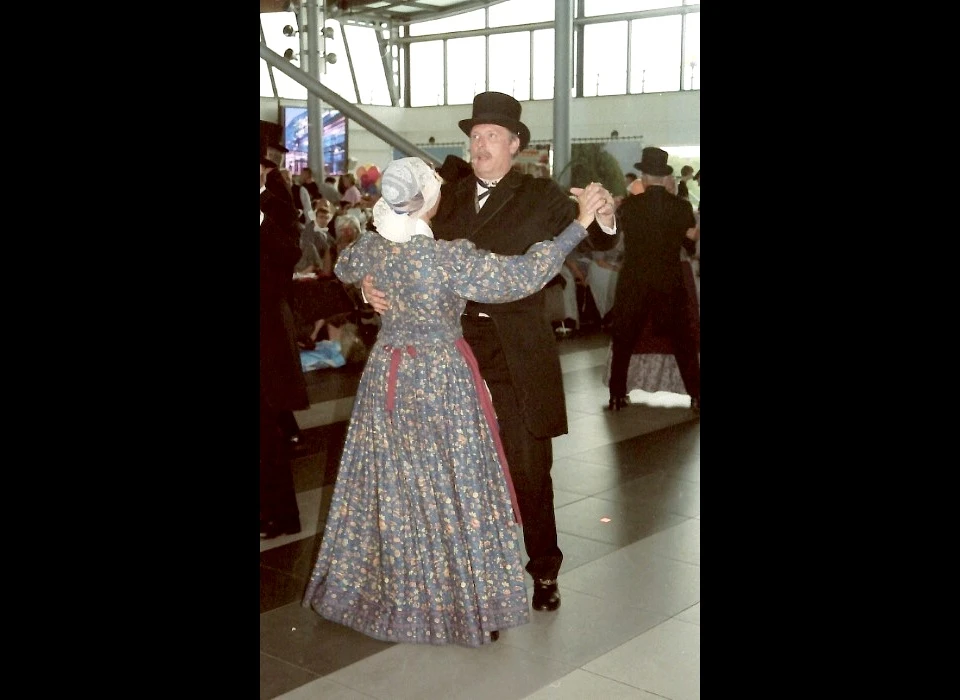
{"x":421,"y":543}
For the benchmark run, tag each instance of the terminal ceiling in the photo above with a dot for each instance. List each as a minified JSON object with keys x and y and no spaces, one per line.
{"x":393,"y":12}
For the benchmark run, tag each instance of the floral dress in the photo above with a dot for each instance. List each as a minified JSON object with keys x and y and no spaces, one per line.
{"x":422,"y":542}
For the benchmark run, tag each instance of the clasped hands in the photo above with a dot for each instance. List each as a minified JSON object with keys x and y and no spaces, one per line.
{"x":595,"y":202}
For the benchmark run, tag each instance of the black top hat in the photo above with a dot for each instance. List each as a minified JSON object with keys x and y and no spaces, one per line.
{"x":497,"y":108}
{"x":653,"y":161}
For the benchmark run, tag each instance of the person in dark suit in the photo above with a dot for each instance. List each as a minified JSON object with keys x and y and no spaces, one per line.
{"x":503,"y":211}
{"x":656,"y":225}
{"x":278,"y":184}
{"x":283,"y":388}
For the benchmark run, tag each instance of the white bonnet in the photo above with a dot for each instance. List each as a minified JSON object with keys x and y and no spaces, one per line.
{"x":409,"y":188}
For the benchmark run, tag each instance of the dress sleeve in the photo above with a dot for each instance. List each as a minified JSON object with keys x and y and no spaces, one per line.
{"x":350,"y":260}
{"x":480,"y":275}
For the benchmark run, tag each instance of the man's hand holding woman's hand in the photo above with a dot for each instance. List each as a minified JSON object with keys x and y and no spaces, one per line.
{"x":373,"y":296}
{"x":592,"y":199}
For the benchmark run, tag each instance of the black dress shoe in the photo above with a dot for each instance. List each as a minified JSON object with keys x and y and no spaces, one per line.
{"x":546,"y":594}
{"x":274,"y":528}
{"x":618,"y":402}
{"x":495,"y":635}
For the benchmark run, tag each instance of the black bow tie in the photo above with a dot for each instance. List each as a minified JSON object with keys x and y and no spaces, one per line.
{"x":486,"y":186}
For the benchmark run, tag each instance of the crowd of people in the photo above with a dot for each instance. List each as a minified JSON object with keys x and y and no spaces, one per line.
{"x":448,"y":454}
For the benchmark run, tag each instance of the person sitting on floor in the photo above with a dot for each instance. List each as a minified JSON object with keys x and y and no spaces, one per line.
{"x":341,"y":345}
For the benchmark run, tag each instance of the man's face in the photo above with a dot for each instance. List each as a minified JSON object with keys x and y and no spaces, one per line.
{"x":323,"y":213}
{"x":492,"y":148}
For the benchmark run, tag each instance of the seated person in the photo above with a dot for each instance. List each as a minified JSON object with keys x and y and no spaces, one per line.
{"x":348,"y":228}
{"x":331,"y":342}
{"x":316,"y":243}
{"x":310,"y":261}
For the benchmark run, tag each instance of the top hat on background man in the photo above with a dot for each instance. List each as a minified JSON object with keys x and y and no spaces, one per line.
{"x":497,"y":108}
{"x":653,"y":161}
{"x":275,"y":152}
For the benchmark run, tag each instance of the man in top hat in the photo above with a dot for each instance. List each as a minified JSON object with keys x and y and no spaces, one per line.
{"x":650,"y":288}
{"x":277,"y":152}
{"x":504,"y":211}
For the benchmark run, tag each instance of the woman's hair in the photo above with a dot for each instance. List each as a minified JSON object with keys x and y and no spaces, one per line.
{"x":344,"y":222}
{"x":352,"y":346}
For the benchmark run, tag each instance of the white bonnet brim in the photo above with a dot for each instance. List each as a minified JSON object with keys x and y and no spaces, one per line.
{"x":409,"y":188}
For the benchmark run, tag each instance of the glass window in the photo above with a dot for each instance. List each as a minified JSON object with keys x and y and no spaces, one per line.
{"x":605,"y":59}
{"x":367,"y":64}
{"x":426,"y":69}
{"x":543,"y":64}
{"x":273,"y":24}
{"x":463,"y":22}
{"x":510,"y":64}
{"x":655,"y":55}
{"x":288,"y":87}
{"x":595,"y":8}
{"x":466,"y":69}
{"x":336,"y":76}
{"x":691,"y":47}
{"x":513,"y":12}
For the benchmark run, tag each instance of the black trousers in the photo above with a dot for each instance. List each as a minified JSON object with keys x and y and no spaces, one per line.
{"x":278,"y":495}
{"x":529,"y":458}
{"x":627,"y":331}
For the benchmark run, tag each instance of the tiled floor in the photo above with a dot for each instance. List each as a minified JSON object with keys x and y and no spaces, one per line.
{"x":628,"y":510}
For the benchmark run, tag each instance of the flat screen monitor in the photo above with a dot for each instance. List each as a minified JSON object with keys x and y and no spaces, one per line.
{"x":296,"y":137}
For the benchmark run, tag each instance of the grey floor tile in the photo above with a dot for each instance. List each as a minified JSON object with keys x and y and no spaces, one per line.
{"x":562,"y":498}
{"x":691,"y":615}
{"x":680,"y":542}
{"x":323,"y":689}
{"x":584,"y":628}
{"x":585,"y":478}
{"x":664,"y":660}
{"x":582,"y":684}
{"x":629,"y":578}
{"x":278,"y":676}
{"x":578,"y":551}
{"x":308,"y":641}
{"x":415,"y":672}
{"x":660,"y":489}
{"x":613,"y":522}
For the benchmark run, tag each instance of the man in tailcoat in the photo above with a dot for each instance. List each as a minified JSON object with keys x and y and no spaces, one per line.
{"x":656,"y":225}
{"x":283,"y":388}
{"x":506,"y":212}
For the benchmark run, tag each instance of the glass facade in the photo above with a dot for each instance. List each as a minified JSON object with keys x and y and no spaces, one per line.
{"x":629,"y":47}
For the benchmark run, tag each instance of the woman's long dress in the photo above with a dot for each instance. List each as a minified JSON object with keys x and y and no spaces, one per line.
{"x":421,"y":543}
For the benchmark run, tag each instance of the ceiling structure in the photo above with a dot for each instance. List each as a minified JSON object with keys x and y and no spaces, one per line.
{"x":390,"y":11}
